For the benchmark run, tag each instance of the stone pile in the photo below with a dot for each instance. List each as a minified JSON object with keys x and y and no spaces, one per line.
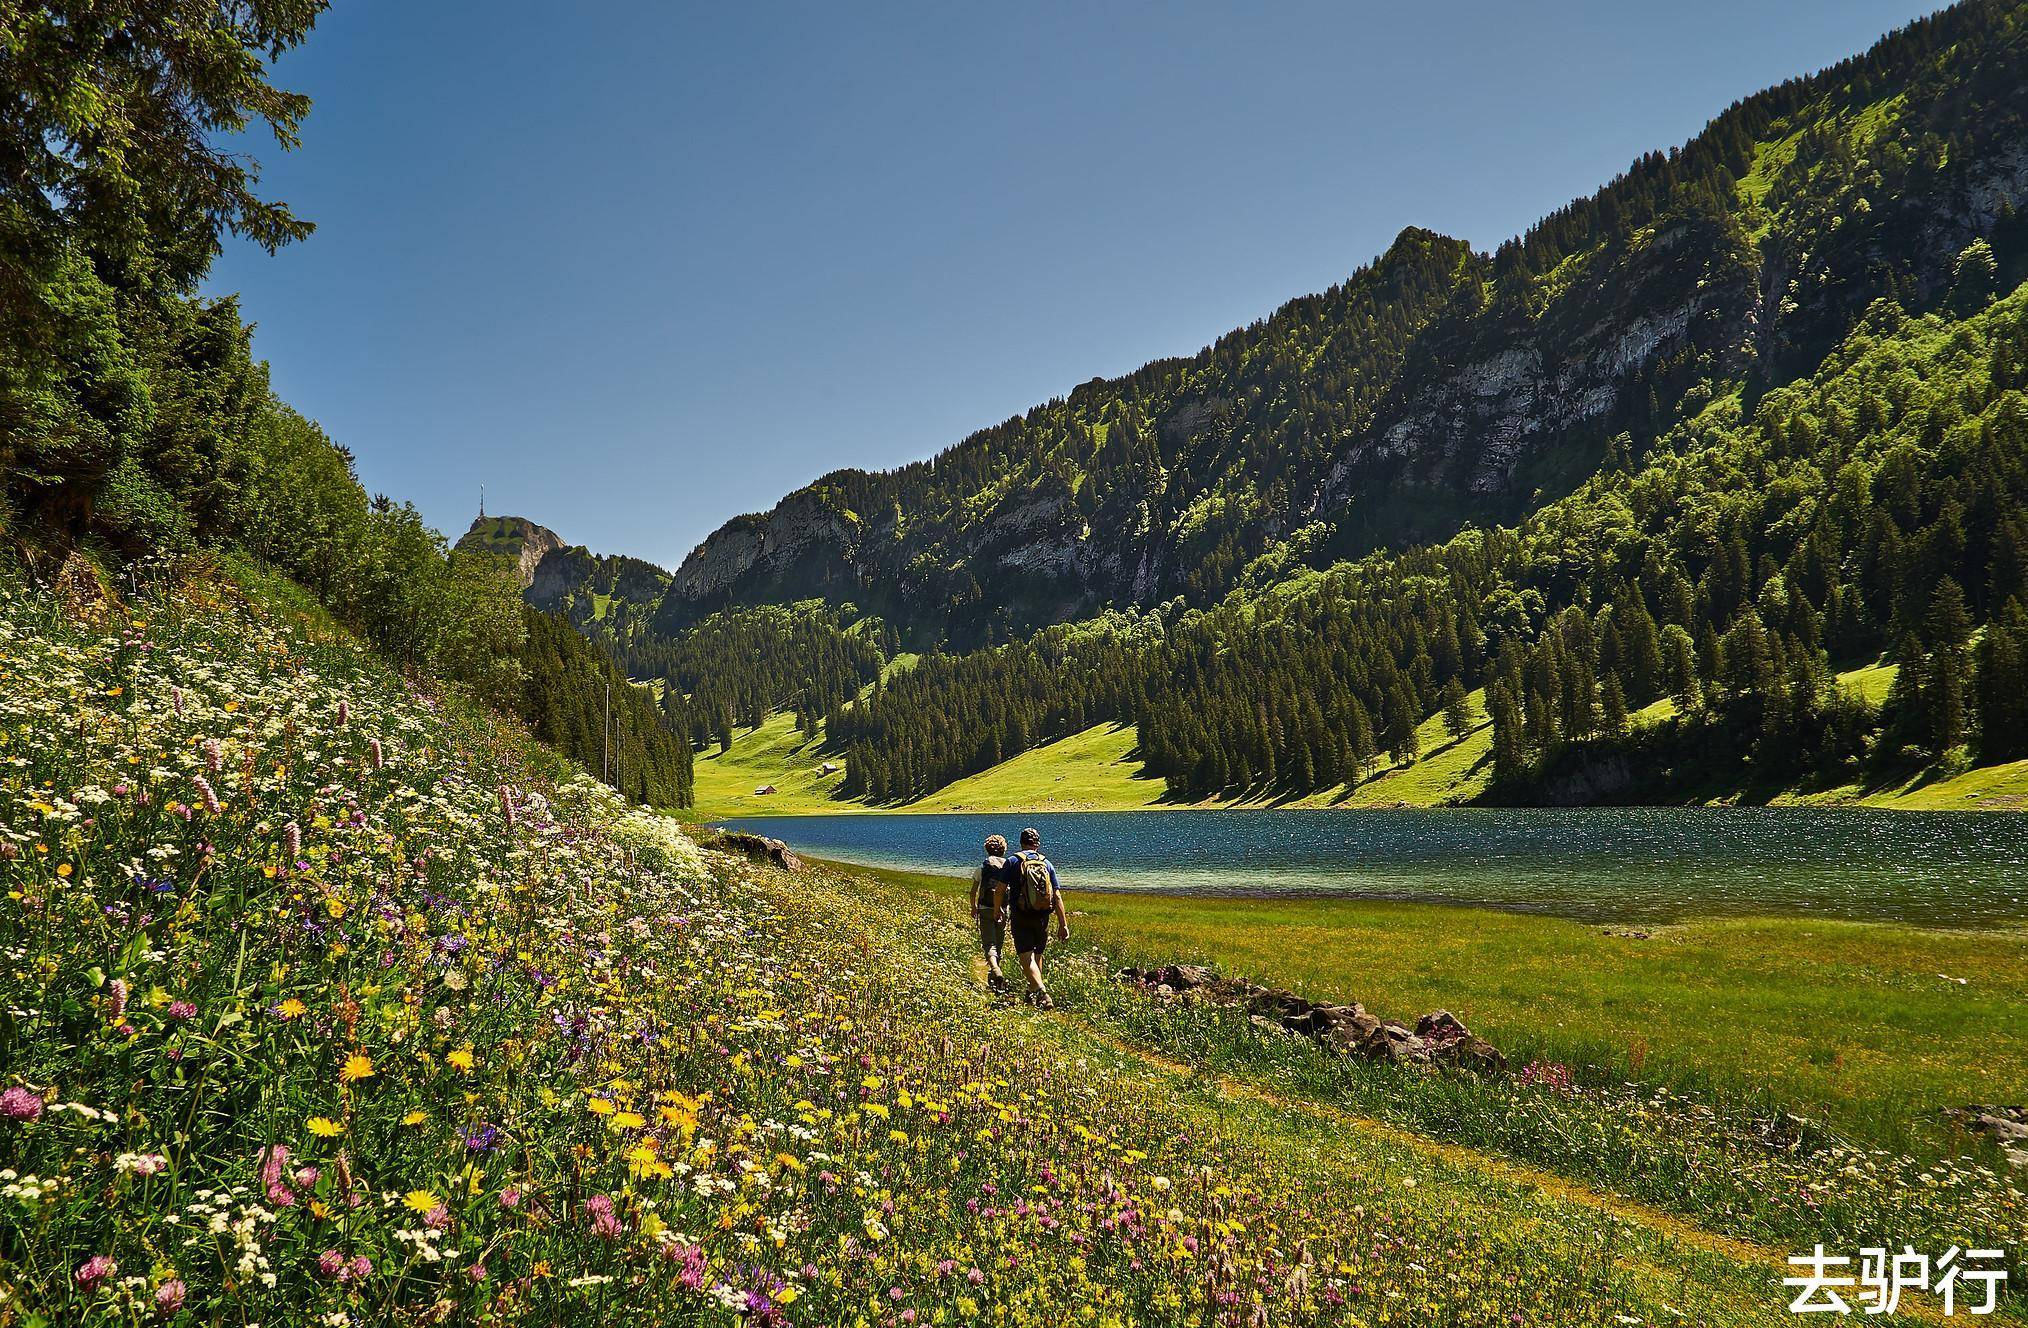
{"x":756,"y":848}
{"x":2008,"y":1127}
{"x":1438,"y":1038}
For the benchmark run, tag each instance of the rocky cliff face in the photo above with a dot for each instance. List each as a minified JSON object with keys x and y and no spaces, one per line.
{"x":803,"y":547}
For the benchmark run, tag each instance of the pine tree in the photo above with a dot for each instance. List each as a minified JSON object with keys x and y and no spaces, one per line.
{"x":1679,"y":669}
{"x":1458,"y":716}
{"x":1903,"y":712}
{"x":1510,"y":758}
{"x":1613,"y":702}
{"x":2001,"y":685}
{"x":1948,"y":628}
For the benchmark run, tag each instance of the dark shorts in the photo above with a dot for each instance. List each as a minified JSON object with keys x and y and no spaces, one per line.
{"x":1031,"y":930}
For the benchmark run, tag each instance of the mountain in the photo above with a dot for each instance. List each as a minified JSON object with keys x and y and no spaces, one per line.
{"x":611,"y":597}
{"x":1437,"y":386}
{"x":1713,"y":484}
{"x":514,"y":537}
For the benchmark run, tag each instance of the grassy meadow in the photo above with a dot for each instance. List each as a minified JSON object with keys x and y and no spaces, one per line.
{"x":1861,"y":1026}
{"x":332,"y":1000}
{"x":1689,"y":1130}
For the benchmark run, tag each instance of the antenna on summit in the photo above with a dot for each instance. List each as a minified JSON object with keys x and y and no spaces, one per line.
{"x":482,"y":502}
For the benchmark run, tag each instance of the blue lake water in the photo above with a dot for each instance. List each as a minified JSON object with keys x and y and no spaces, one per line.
{"x":1937,"y":869}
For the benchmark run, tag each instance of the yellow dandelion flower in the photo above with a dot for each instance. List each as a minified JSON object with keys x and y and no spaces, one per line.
{"x":420,"y":1201}
{"x":415,"y":1117}
{"x":291,"y":1009}
{"x":627,"y":1120}
{"x":356,"y":1067}
{"x":324,"y":1127}
{"x":599,"y":1106}
{"x":462,"y":1059}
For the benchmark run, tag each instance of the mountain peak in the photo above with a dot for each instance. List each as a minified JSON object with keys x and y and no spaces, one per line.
{"x":513,"y":537}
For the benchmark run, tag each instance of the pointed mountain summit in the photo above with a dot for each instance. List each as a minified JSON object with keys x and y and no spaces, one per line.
{"x":514,"y":537}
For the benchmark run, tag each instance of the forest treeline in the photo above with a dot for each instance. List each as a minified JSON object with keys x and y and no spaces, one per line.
{"x":735,"y":668}
{"x":135,"y":422}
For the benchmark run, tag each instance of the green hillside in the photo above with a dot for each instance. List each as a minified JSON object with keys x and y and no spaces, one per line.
{"x":1436,"y":387}
{"x":1097,"y":770}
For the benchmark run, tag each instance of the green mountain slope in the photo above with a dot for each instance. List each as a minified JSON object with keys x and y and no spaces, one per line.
{"x":1436,"y":386}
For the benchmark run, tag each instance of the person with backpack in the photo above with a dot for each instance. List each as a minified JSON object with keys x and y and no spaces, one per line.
{"x":989,"y":907}
{"x":1037,"y":893}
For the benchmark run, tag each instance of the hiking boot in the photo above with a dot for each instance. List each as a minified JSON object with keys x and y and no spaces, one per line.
{"x":1042,"y":1001}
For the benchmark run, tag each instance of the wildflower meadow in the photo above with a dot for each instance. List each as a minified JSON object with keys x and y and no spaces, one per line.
{"x":332,"y":1001}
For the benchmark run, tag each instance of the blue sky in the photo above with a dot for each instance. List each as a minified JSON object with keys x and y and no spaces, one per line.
{"x":641,"y":267}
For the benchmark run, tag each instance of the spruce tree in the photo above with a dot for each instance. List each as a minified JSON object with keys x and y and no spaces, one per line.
{"x":1458,"y":716}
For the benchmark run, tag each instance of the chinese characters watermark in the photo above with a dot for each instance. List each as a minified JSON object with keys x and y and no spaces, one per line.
{"x":1956,"y":1277}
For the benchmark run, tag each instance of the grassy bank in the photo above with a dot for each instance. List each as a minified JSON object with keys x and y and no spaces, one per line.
{"x":1732,"y":1164}
{"x":1861,"y":1025}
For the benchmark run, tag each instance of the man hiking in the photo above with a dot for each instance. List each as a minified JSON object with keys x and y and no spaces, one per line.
{"x":1035,"y":894}
{"x":989,"y":907}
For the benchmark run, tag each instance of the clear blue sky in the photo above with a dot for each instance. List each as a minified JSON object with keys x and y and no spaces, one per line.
{"x":642,"y":267}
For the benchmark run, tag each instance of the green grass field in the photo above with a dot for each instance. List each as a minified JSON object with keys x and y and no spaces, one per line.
{"x":1088,"y":771}
{"x":1860,"y":1025}
{"x":1096,"y":770}
{"x":775,"y":753}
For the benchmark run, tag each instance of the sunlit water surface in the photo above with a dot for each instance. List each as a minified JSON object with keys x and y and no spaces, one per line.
{"x":1938,"y":869}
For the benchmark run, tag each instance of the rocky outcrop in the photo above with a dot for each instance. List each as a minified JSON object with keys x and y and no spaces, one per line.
{"x":558,"y":576}
{"x":1525,"y":384}
{"x":807,"y":540}
{"x":1438,"y":1038}
{"x":755,"y":848}
{"x":1591,"y":783}
{"x":2005,"y":1126}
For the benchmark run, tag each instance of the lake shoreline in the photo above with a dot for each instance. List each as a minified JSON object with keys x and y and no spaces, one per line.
{"x":1635,"y":867}
{"x":955,"y":882}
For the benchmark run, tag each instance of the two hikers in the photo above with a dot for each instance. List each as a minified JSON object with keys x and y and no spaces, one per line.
{"x":1018,"y":892}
